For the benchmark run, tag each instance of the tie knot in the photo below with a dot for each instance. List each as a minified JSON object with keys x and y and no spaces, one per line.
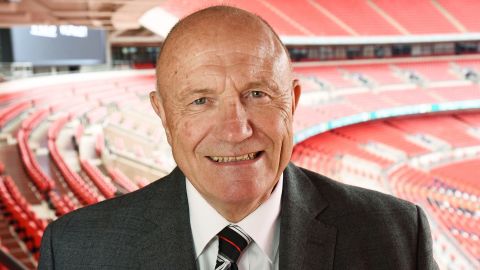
{"x":232,"y":240}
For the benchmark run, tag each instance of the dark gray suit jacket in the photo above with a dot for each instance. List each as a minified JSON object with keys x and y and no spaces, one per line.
{"x":324,"y":225}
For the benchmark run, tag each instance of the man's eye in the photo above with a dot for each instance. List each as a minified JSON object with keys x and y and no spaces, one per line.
{"x":257,"y":94}
{"x":200,"y":101}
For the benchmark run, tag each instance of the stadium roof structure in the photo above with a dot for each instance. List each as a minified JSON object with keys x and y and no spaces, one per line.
{"x":106,"y":14}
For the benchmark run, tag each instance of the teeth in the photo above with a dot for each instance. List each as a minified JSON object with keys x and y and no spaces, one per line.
{"x":237,"y":158}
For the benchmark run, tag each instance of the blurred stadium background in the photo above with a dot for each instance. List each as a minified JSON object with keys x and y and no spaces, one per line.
{"x":390,"y":102}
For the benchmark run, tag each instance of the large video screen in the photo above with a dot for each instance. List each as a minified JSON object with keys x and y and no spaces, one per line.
{"x":63,"y":45}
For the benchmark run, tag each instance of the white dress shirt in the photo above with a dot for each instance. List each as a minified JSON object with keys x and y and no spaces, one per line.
{"x":262,"y":225}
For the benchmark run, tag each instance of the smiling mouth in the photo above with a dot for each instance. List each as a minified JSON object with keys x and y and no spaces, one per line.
{"x":224,"y":159}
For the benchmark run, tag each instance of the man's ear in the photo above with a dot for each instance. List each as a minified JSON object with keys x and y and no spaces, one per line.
{"x":296,"y":92}
{"x":157,"y":105}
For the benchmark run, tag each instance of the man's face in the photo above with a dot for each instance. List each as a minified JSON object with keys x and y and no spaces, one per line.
{"x":227,"y":106}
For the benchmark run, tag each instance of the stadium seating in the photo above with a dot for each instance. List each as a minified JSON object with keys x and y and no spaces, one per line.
{"x":368,"y":102}
{"x":472,"y":119}
{"x":454,"y":207}
{"x":432,"y":71}
{"x":456,"y":93}
{"x":84,"y":192}
{"x":73,"y":142}
{"x":347,"y":18}
{"x":27,"y":226}
{"x":121,"y":179}
{"x":449,"y":193}
{"x":280,"y":20}
{"x":466,"y":12}
{"x":382,"y":133}
{"x":407,"y":13}
{"x":380,"y":74}
{"x":10,"y":112}
{"x":409,"y":97}
{"x":104,"y":186}
{"x":309,"y":16}
{"x":42,"y":181}
{"x":465,"y":172}
{"x":354,"y":12}
{"x":328,"y":74}
{"x":12,"y":245}
{"x":110,"y":122}
{"x":456,"y":134}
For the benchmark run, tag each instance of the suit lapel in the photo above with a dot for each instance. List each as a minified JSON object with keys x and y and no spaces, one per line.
{"x":169,"y":243}
{"x":305,"y":242}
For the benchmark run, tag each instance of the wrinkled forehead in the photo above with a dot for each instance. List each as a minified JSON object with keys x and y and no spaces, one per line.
{"x":219,"y":25}
{"x":214,"y":37}
{"x":224,"y":48}
{"x":214,"y":40}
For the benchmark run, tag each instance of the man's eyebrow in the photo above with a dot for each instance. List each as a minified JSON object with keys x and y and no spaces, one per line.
{"x":262,"y":83}
{"x":187,"y":92}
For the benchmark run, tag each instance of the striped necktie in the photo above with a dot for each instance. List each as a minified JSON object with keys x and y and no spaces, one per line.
{"x":232,"y":240}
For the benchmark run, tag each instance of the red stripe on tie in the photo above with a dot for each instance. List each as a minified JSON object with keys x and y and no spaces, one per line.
{"x":231,"y":243}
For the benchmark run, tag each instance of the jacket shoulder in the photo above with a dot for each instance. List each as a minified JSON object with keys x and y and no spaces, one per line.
{"x":110,"y":232}
{"x":373,"y":228}
{"x":357,"y":199}
{"x":119,"y":209}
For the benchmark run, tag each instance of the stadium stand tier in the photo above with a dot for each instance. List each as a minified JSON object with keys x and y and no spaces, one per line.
{"x":352,"y":17}
{"x":409,"y":127}
{"x":92,"y":138}
{"x":379,"y":155}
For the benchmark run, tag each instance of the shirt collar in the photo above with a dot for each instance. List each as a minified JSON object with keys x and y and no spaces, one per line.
{"x":262,"y":225}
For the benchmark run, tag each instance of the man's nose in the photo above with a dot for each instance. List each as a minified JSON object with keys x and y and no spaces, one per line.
{"x":233,"y":124}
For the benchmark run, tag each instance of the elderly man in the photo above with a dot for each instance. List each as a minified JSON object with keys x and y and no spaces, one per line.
{"x":226,"y":97}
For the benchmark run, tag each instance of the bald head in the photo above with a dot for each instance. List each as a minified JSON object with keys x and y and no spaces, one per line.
{"x":211,"y":28}
{"x":226,"y":97}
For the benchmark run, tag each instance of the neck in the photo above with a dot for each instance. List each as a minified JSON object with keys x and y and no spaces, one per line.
{"x":237,"y":212}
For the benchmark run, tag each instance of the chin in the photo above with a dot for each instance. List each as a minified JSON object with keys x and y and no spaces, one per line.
{"x":248,"y":192}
